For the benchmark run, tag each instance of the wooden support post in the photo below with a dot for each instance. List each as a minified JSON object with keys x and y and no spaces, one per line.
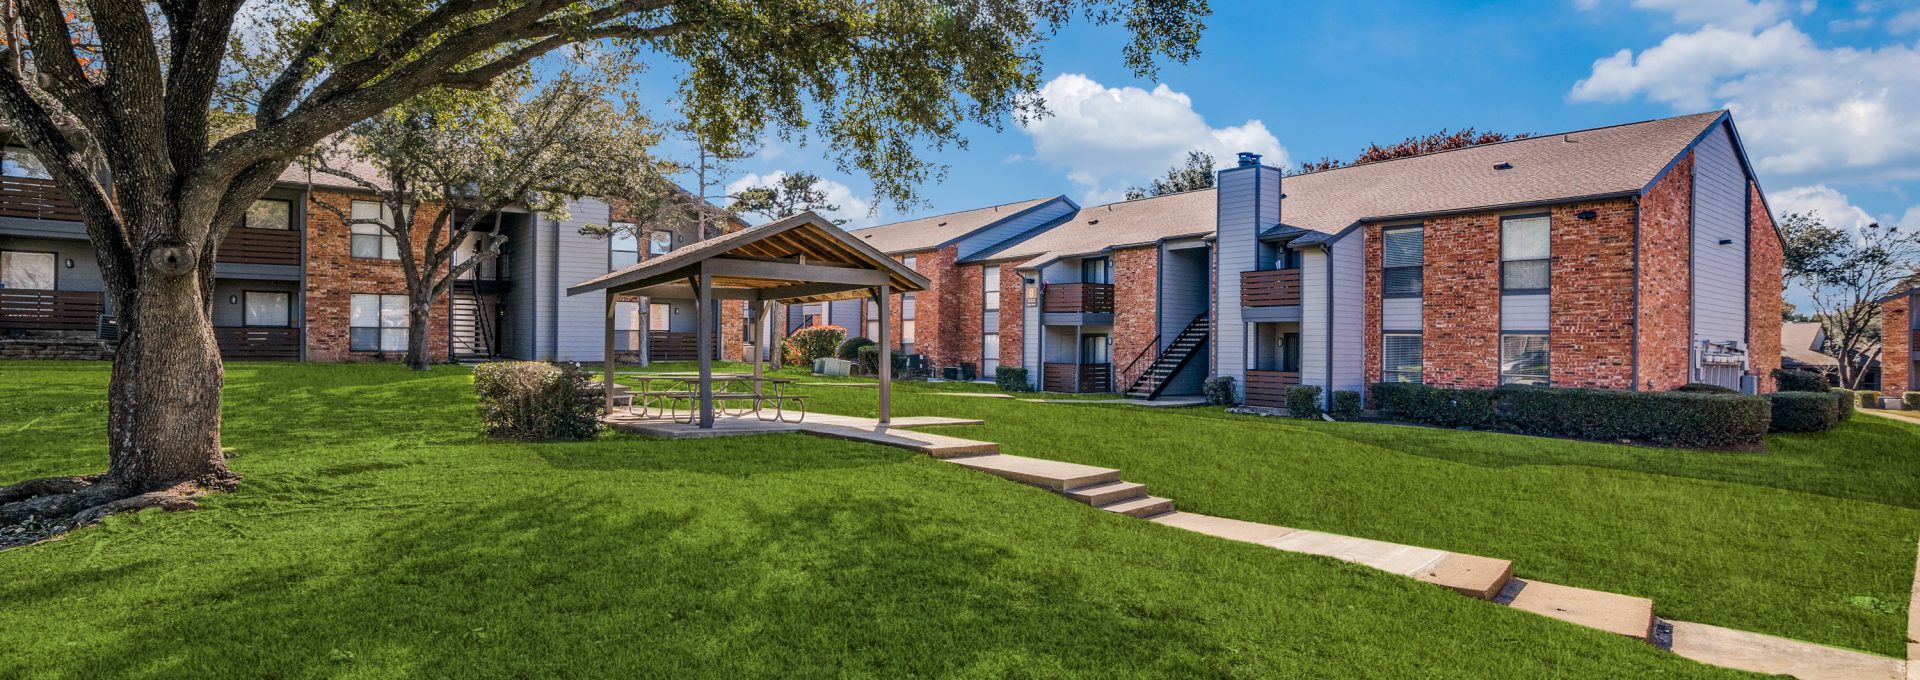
{"x":703,"y":336}
{"x":886,"y":357}
{"x":606,"y":377}
{"x":644,"y":335}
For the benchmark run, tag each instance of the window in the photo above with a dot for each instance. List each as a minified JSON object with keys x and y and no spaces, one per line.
{"x":1523,"y":359}
{"x":659,"y":317}
{"x":990,"y":289}
{"x":626,"y":326}
{"x":265,"y":308}
{"x":1400,"y":358}
{"x":372,"y":241}
{"x":659,"y":242}
{"x":269,"y":214}
{"x":906,"y":323}
{"x":379,"y":323}
{"x":19,"y":163}
{"x":1096,"y":270}
{"x":873,"y":322}
{"x":1402,"y":255}
{"x":1525,"y":251}
{"x":624,"y":247}
{"x":20,"y":269}
{"x":1095,"y":350}
{"x":989,"y":354}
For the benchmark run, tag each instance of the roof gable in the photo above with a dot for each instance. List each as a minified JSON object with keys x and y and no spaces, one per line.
{"x":775,"y":260}
{"x":936,"y":231}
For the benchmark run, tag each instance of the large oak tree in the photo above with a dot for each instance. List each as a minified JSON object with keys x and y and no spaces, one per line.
{"x":126,"y":89}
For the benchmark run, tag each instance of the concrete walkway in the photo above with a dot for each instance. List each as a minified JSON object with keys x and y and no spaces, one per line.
{"x":1907,"y":416}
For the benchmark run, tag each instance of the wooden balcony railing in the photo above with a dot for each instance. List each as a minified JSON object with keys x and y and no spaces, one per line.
{"x":35,"y":199}
{"x":677,"y":346}
{"x":49,"y":310}
{"x":260,"y":246}
{"x":1269,"y":388}
{"x":257,"y":343}
{"x":1270,"y":288}
{"x":1077,"y":378}
{"x":1078,"y":298}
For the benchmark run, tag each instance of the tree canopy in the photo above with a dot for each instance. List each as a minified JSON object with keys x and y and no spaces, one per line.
{"x":1413,"y":146}
{"x":1846,"y":273}
{"x":1196,"y":173}
{"x":793,"y":193}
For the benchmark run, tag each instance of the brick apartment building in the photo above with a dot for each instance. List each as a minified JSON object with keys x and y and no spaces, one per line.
{"x":1638,"y":256}
{"x":1899,"y":365}
{"x":295,"y":282}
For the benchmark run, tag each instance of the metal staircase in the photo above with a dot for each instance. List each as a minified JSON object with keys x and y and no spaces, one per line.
{"x":1179,"y":351}
{"x":472,"y":330}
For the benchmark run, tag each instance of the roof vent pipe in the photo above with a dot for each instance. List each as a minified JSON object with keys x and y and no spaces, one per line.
{"x":1249,"y":158}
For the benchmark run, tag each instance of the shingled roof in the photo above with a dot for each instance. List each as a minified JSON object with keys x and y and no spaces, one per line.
{"x":1097,"y":228}
{"x":927,"y":233}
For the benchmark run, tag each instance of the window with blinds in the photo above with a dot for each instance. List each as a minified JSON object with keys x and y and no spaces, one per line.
{"x":1523,"y":360}
{"x":1403,"y":253}
{"x":990,"y":288}
{"x":1400,"y":358}
{"x":989,"y":354}
{"x":1525,"y":254}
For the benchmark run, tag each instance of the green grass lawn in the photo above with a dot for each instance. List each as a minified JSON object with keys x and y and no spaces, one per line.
{"x":1814,"y":539}
{"x":378,"y":536}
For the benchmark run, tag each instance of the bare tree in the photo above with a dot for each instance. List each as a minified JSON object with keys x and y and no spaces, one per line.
{"x":1846,"y":274}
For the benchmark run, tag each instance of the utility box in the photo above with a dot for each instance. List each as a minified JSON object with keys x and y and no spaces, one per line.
{"x":832,"y":367}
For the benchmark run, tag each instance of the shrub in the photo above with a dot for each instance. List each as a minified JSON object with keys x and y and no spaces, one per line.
{"x":1303,"y":401}
{"x":850,"y":350}
{"x":1868,"y":398}
{"x":1804,"y":411}
{"x":813,"y":342}
{"x":1690,"y":419}
{"x":1707,"y":388}
{"x":1847,"y":401}
{"x":1799,"y":381}
{"x":868,"y":358}
{"x":1911,"y":399}
{"x":1011,"y":379}
{"x":1444,"y":407}
{"x":534,"y":401}
{"x":1346,"y":404}
{"x":1219,"y":390}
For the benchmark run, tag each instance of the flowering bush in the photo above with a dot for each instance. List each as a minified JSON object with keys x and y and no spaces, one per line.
{"x":535,"y":401}
{"x":813,"y":342}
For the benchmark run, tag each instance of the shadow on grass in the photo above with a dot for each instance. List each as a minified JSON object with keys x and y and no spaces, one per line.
{"x":737,"y":457}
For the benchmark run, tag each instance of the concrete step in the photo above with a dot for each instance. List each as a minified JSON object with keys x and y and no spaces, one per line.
{"x":935,"y":445}
{"x":1742,"y":650}
{"x":1110,"y":492}
{"x":1470,"y":575}
{"x":1221,"y":527}
{"x":1405,"y":560}
{"x":1048,"y":474}
{"x":1611,"y":612}
{"x":1144,"y":506}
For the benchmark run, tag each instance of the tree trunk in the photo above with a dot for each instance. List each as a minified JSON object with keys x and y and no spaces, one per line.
{"x":419,"y":328}
{"x":163,"y":410}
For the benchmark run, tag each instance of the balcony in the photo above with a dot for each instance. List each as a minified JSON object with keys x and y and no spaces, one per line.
{"x":1270,"y":288}
{"x":1077,"y":378}
{"x":260,"y":246}
{"x":257,"y":343}
{"x":1078,"y":298}
{"x":676,"y":346}
{"x":1269,"y":388}
{"x":38,"y":199}
{"x":27,"y":309}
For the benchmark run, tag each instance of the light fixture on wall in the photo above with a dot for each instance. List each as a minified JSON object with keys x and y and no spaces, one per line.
{"x":233,"y":299}
{"x":1726,"y":241}
{"x":69,"y":263}
{"x":1587,"y":214}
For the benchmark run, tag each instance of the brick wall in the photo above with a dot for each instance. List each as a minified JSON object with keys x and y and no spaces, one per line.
{"x":1764,"y":289}
{"x":962,"y":304}
{"x":1590,"y":334}
{"x":1012,"y":317}
{"x":1896,"y":361}
{"x":1460,"y":310}
{"x":1136,"y":277}
{"x":334,"y":276}
{"x":1370,"y":326}
{"x":1665,"y":289}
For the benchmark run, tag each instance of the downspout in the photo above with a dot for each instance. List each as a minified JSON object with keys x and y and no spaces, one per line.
{"x":306,"y":199}
{"x":1327,"y":248}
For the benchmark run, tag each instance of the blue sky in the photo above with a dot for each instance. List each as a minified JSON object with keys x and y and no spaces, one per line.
{"x":1826,"y":94}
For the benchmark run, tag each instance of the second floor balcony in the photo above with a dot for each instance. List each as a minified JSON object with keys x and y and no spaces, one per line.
{"x":260,"y":246}
{"x":35,"y":198}
{"x":1078,"y":298}
{"x":1270,"y":288}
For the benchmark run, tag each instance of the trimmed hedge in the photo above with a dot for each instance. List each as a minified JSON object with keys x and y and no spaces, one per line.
{"x":1800,"y":381}
{"x":1445,"y":407}
{"x":1847,"y":400}
{"x":1011,"y":379}
{"x":850,"y":350}
{"x":1303,"y":401}
{"x":1911,"y":399}
{"x":1707,"y":388}
{"x":1688,"y":419}
{"x":868,"y":358}
{"x":1346,"y":404}
{"x":1219,"y":390}
{"x":536,"y":401}
{"x":1804,"y":411}
{"x":813,"y":342}
{"x":1868,"y":398}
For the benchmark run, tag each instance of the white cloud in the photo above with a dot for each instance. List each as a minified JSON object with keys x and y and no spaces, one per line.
{"x":1802,"y":108}
{"x":1739,"y":14}
{"x":853,"y":209}
{"x":1107,"y":138}
{"x":1831,"y":205}
{"x":1905,"y":22}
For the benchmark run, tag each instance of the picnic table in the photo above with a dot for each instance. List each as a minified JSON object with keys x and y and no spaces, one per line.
{"x":661,"y":394}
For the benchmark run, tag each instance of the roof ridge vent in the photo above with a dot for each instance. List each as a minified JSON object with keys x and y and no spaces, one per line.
{"x":1503,"y":165}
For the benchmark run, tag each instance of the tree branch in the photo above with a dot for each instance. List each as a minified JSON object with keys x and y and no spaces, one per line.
{"x":54,"y":59}
{"x":35,"y":126}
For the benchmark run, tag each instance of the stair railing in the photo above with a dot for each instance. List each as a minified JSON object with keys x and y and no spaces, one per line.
{"x":1147,"y":376}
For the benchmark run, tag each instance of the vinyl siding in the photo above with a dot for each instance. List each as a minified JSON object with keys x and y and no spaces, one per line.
{"x":1523,"y":312}
{"x":1400,"y":314}
{"x":1249,"y":199}
{"x":1313,"y":318}
{"x":523,"y":261}
{"x":1719,"y":213}
{"x":579,"y":320}
{"x":1008,"y":229}
{"x":1349,"y":312}
{"x":1030,"y":337}
{"x":845,"y":314}
{"x":1183,"y":295}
